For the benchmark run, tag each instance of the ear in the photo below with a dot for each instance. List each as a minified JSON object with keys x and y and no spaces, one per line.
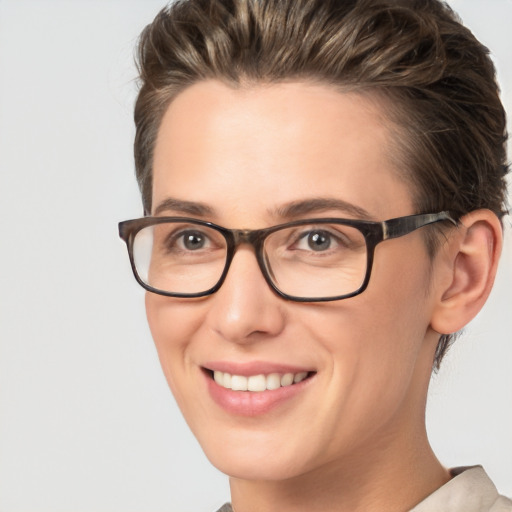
{"x":465,"y":270}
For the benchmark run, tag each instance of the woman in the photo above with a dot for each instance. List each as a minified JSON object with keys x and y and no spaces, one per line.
{"x":323,"y":183}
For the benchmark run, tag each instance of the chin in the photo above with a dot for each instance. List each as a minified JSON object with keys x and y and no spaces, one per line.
{"x":242,"y":468}
{"x":255,"y":456}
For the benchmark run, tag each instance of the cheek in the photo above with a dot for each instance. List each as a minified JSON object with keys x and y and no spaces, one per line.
{"x":171,"y":320}
{"x":172,"y":324}
{"x":382,"y":331}
{"x":398,"y":307}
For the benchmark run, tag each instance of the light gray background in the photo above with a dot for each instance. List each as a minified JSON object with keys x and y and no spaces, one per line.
{"x":86,"y":420}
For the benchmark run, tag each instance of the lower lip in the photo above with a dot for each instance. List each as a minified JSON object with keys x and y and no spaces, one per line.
{"x":252,"y":403}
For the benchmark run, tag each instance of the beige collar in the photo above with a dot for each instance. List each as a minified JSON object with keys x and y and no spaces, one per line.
{"x":470,"y":490}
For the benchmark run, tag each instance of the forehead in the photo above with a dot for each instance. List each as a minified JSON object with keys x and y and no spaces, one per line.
{"x":264,"y":145}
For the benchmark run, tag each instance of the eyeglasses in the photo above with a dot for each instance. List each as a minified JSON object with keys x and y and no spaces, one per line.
{"x":314,"y":260}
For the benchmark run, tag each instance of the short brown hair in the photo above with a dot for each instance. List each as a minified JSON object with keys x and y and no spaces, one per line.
{"x":445,"y":108}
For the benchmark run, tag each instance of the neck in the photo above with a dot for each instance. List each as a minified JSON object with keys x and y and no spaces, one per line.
{"x":387,"y":477}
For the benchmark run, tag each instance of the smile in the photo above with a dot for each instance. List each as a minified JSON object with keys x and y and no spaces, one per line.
{"x":257,"y":383}
{"x":257,"y":387}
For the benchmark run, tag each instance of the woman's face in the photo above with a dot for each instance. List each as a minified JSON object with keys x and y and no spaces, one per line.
{"x":240,"y":158}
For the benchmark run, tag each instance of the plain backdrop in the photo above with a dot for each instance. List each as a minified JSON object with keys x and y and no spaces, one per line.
{"x":86,"y":420}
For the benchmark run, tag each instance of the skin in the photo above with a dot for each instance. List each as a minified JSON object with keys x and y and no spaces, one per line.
{"x":354,"y":438}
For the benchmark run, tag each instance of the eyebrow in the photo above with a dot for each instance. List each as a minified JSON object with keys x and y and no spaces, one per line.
{"x":289,"y":210}
{"x":321,"y":204}
{"x":184,"y":207}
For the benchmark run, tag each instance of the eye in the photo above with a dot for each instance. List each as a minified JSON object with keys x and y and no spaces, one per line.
{"x":180,"y":239}
{"x":192,"y":240}
{"x":317,"y":240}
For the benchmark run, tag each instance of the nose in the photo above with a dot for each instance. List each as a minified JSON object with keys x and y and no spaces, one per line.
{"x":245,"y":309}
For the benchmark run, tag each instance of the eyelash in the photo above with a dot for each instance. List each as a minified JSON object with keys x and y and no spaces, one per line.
{"x":338,"y":238}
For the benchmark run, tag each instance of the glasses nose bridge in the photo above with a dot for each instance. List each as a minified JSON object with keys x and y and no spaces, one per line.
{"x":252,"y":237}
{"x":236,"y":237}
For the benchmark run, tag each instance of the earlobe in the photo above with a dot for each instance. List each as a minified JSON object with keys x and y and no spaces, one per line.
{"x":468,"y":264}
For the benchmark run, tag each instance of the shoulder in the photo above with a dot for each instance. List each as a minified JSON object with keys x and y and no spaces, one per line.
{"x":502,"y":504}
{"x":227,"y":508}
{"x":470,"y":490}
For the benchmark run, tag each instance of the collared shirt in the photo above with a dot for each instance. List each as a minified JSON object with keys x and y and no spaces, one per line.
{"x":470,"y":490}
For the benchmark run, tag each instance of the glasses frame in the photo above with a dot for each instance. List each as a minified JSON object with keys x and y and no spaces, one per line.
{"x":373,"y":232}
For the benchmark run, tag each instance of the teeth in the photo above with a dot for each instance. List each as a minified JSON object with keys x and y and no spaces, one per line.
{"x":287,"y":379}
{"x":274,"y":381}
{"x":257,"y":383}
{"x":299,"y":376}
{"x":239,"y":383}
{"x":226,"y":380}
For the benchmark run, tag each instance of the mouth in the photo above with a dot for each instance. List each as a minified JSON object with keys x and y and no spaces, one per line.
{"x":257,"y":383}
{"x":253,"y":389}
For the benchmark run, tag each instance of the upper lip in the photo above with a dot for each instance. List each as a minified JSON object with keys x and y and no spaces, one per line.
{"x":254,"y":367}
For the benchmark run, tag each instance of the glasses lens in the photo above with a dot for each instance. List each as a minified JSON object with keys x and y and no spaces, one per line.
{"x":179,"y":257}
{"x":316,"y":260}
